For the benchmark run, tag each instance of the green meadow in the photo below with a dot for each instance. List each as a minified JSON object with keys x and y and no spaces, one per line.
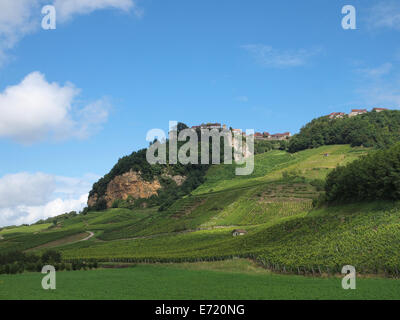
{"x":196,"y":282}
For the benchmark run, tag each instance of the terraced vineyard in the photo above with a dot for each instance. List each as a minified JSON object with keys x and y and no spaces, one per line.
{"x":274,"y":205}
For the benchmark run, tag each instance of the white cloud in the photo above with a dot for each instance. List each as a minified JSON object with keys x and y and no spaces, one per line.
{"x":21,"y":17}
{"x":377,"y":72}
{"x":16,"y":19}
{"x":381,"y":95}
{"x":379,"y":86}
{"x":242,"y":98}
{"x":27,"y":198}
{"x":35,"y":109}
{"x":30,"y":214}
{"x":92,"y":117}
{"x":26,"y":189}
{"x":267,"y":56}
{"x":66,"y":9}
{"x":74,"y":187}
{"x":385,"y":14}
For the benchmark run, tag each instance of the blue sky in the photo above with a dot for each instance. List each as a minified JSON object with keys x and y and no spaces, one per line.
{"x":112,"y":71}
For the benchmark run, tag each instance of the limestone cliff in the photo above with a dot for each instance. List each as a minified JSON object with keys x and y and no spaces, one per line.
{"x":131,"y":184}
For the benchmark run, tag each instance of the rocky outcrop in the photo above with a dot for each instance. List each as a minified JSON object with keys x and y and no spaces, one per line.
{"x":179,"y":180}
{"x":93,"y":200}
{"x":130,"y":184}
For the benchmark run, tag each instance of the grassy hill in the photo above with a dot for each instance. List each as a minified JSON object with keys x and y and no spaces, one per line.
{"x":274,"y":205}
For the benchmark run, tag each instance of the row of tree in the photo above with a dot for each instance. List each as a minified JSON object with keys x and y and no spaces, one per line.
{"x":262,"y":146}
{"x":373,"y":129}
{"x":17,"y":262}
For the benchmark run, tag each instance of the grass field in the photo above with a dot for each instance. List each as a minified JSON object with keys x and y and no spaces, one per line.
{"x":188,"y":282}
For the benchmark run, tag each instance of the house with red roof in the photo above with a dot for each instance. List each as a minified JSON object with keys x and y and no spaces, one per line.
{"x":281,"y":136}
{"x":379,"y":109}
{"x":356,"y":112}
{"x":208,"y":126}
{"x":336,"y":115}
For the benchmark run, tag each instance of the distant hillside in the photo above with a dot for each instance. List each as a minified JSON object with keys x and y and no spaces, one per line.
{"x":372,"y":129}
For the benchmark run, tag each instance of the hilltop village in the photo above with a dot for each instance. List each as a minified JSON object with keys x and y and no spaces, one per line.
{"x":257,"y":135}
{"x":353,"y":113}
{"x":286,"y":135}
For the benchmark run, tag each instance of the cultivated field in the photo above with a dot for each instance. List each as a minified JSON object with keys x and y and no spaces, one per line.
{"x":203,"y":281}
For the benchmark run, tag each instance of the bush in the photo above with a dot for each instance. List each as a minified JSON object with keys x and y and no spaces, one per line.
{"x":13,"y":268}
{"x":31,"y":267}
{"x":318,"y":184}
{"x":293,"y":176}
{"x":51,"y":256}
{"x":373,"y":177}
{"x":100,"y":205}
{"x":60,"y":267}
